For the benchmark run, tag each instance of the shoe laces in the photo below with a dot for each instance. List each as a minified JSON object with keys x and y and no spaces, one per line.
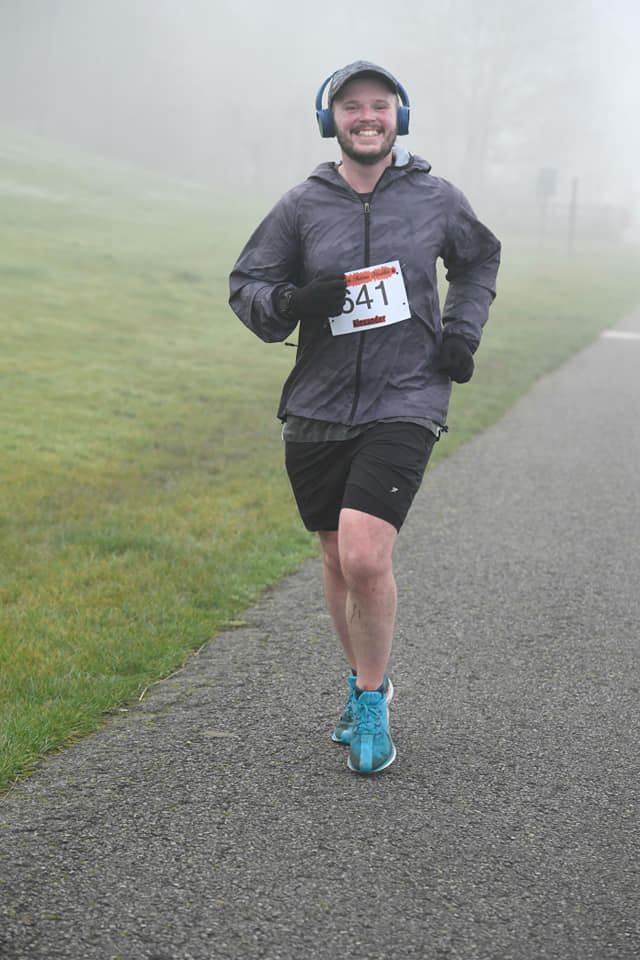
{"x":368,"y":718}
{"x":349,"y":712}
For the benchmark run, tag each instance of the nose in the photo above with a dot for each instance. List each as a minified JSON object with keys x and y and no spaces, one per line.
{"x":367,"y":112}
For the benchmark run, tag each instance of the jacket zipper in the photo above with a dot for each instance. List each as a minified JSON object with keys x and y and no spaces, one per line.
{"x":356,"y":395}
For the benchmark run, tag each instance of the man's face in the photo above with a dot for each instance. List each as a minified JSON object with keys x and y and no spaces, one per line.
{"x":365,"y":119}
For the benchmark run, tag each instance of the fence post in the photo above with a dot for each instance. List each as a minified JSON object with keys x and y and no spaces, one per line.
{"x":572,"y":215}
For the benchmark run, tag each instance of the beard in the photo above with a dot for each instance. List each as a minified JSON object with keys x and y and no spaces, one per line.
{"x":365,"y":158}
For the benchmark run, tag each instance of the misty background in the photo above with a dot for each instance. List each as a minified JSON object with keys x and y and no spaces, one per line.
{"x":525,"y":106}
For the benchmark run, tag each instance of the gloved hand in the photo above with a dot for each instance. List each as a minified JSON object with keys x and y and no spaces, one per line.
{"x":456,"y":358}
{"x":321,"y":298}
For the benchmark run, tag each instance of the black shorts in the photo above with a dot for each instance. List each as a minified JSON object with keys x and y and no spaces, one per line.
{"x":378,"y":472}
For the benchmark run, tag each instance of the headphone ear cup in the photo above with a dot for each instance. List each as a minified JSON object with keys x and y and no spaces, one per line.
{"x":403,"y":112}
{"x":323,"y":115}
{"x":403,"y":121}
{"x":325,"y":123}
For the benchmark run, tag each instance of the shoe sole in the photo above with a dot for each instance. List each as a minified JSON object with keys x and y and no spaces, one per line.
{"x":340,"y":739}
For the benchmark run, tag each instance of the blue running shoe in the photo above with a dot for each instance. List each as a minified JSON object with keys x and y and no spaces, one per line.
{"x":344,"y":729}
{"x":342,"y":733}
{"x":372,"y":748}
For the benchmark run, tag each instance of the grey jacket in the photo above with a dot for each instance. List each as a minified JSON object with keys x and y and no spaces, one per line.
{"x":323,"y":227}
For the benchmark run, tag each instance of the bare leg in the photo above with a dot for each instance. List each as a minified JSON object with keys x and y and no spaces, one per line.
{"x":335,"y":591}
{"x":361,"y":591}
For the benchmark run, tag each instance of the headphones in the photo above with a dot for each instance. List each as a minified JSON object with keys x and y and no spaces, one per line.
{"x":325,"y":117}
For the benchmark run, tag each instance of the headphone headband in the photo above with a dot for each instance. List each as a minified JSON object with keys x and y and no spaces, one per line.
{"x":325,"y":117}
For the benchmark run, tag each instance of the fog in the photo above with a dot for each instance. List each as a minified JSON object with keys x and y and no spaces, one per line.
{"x":222,"y":91}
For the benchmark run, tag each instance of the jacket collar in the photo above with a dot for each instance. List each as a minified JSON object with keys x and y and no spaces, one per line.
{"x":402,"y":162}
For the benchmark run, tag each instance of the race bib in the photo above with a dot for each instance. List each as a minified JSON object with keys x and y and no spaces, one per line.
{"x":376,"y":297}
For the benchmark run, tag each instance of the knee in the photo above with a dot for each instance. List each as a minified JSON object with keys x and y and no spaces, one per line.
{"x":361,"y":565}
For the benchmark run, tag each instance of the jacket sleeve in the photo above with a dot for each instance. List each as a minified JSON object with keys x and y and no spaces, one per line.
{"x":472,"y":258}
{"x":268,"y":262}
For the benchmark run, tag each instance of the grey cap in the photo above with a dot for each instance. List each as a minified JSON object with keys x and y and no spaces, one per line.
{"x":357,"y":69}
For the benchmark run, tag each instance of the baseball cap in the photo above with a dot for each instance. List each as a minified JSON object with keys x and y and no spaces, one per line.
{"x":357,"y":69}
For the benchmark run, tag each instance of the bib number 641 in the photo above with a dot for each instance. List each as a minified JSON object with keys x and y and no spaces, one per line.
{"x":376,"y":297}
{"x":363,"y":297}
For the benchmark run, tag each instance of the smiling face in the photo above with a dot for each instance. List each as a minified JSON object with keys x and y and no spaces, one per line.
{"x":365,"y":119}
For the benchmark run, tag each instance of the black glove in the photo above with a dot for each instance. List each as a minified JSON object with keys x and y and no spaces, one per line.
{"x":317,"y":300}
{"x":456,"y":358}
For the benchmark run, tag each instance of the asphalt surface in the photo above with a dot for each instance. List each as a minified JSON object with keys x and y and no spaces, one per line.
{"x":219,"y":820}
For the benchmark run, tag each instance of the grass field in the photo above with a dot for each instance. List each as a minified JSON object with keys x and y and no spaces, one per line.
{"x":143,"y":502}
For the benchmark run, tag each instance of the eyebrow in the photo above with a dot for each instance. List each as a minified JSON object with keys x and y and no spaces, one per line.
{"x":377,"y":100}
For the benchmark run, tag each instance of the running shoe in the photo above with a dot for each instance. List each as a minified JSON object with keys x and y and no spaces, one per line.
{"x":371,"y":748}
{"x":344,"y":728}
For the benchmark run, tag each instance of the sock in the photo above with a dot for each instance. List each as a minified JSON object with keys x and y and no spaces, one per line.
{"x":379,"y":690}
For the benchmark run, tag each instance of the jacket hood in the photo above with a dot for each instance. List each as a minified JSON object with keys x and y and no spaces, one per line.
{"x":402,"y":161}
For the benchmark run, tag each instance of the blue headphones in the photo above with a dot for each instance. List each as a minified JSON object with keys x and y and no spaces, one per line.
{"x":325,"y":117}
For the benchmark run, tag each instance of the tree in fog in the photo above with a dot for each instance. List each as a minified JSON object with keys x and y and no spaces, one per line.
{"x":508,"y":82}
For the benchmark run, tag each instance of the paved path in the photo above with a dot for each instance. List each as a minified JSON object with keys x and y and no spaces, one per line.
{"x":218,"y":820}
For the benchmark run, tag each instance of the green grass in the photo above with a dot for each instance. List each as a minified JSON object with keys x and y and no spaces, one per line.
{"x":143,"y":502}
